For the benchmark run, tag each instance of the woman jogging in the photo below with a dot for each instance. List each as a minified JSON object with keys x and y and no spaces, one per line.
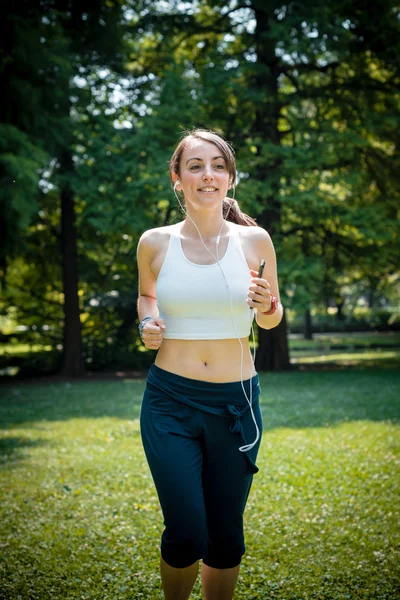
{"x":200,"y":287}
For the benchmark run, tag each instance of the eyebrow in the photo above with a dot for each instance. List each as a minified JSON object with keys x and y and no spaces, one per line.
{"x":215,"y":158}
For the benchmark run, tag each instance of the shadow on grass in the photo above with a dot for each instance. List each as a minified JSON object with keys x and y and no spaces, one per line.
{"x":294,"y":399}
{"x":13,"y":449}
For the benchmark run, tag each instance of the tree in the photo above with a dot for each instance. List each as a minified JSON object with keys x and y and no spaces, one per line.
{"x":51,"y":42}
{"x":308,"y":95}
{"x":302,"y":87}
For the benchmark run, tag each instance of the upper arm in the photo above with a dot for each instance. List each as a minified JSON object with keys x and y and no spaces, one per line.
{"x":264,"y":249}
{"x":145,"y":254}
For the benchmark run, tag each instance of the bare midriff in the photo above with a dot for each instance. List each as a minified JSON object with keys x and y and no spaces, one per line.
{"x":217,"y":361}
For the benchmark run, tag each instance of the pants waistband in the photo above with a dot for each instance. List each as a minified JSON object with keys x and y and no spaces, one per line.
{"x":209,"y":394}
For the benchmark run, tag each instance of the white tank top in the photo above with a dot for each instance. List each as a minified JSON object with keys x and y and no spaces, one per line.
{"x":194,"y":300}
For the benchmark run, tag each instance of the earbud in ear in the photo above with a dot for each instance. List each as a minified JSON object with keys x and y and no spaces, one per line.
{"x":177,"y":182}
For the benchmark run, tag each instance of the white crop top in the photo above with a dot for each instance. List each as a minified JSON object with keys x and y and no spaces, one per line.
{"x":194,"y":300}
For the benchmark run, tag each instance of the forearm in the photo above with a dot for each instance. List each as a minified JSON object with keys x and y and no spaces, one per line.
{"x":270,"y":321}
{"x":147,"y":307}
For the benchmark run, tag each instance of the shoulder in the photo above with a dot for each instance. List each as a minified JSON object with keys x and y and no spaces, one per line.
{"x":154,"y":239}
{"x":256,"y":244}
{"x":254,"y":235}
{"x":157,"y":234}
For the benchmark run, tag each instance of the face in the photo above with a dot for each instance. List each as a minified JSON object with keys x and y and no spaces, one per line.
{"x":203,"y":173}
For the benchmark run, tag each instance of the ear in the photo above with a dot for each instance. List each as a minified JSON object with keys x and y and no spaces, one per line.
{"x":175,"y":179}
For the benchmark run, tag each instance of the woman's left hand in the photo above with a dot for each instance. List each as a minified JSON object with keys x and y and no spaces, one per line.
{"x":259,"y":294}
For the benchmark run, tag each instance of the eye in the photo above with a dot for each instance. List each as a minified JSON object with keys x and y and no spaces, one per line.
{"x":219,"y":166}
{"x":194,"y":167}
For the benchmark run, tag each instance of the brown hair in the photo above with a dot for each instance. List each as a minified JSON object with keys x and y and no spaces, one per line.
{"x":230,"y":207}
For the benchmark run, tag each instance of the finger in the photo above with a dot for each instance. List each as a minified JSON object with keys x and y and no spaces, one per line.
{"x":261,"y":306}
{"x":259,"y":297}
{"x":153,"y":345}
{"x":262,"y":282}
{"x":149,"y":328}
{"x":160,"y":322}
{"x":251,"y":303}
{"x":152,"y":333}
{"x":259,"y":289}
{"x":258,"y":303}
{"x":152,"y":339}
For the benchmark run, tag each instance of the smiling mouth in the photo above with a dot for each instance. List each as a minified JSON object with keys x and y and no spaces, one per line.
{"x":208,"y":189}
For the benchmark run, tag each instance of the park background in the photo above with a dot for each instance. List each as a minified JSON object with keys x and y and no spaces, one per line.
{"x":95,"y":96}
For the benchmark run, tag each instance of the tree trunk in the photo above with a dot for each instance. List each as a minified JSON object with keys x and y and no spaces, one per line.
{"x":308,"y":333}
{"x":273,"y":351}
{"x":73,"y":364}
{"x":339,"y":304}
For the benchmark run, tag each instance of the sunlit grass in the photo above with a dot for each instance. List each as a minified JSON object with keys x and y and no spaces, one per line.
{"x":350,"y":340}
{"x":22,"y":349}
{"x":349,"y":358}
{"x":80,"y":516}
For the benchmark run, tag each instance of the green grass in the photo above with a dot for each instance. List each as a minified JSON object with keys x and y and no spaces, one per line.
{"x":22,"y":349}
{"x":80,"y":516}
{"x":349,"y":340}
{"x":363,"y":358}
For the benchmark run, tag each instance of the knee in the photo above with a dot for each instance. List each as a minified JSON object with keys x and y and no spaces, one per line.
{"x":181,"y":552}
{"x":184,"y":539}
{"x":224,"y":556}
{"x":225,"y":547}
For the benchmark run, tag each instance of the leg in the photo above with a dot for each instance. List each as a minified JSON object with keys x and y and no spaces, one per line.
{"x":175,"y":459}
{"x":219,"y":583}
{"x":178,"y":583}
{"x":227,"y":481}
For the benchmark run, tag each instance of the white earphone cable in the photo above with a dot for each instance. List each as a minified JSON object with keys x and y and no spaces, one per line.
{"x":247,"y":447}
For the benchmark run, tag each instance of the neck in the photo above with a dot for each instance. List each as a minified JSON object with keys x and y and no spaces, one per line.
{"x":210,"y":226}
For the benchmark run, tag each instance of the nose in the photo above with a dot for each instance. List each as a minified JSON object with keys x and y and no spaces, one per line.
{"x":207,"y":174}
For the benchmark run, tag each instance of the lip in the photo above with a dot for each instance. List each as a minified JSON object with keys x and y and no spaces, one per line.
{"x":208,"y":191}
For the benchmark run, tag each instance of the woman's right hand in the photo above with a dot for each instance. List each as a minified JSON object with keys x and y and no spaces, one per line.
{"x":152,"y":334}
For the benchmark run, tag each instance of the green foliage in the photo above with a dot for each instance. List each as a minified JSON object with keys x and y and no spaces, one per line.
{"x":309,"y":102}
{"x":34,"y":75}
{"x":308,"y":95}
{"x":81,"y":515}
{"x":52,"y":51}
{"x":20,"y":162}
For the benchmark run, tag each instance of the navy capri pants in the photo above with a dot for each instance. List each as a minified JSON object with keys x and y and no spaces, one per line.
{"x":191,"y":432}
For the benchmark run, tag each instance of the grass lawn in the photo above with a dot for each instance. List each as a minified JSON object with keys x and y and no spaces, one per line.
{"x":80,"y":517}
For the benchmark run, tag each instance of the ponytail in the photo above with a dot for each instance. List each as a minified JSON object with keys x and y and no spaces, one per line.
{"x":231,"y":212}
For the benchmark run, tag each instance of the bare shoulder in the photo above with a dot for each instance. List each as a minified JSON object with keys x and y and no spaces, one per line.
{"x":155,"y":239}
{"x":156,"y":235}
{"x":256,"y":245}
{"x":255,"y":235}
